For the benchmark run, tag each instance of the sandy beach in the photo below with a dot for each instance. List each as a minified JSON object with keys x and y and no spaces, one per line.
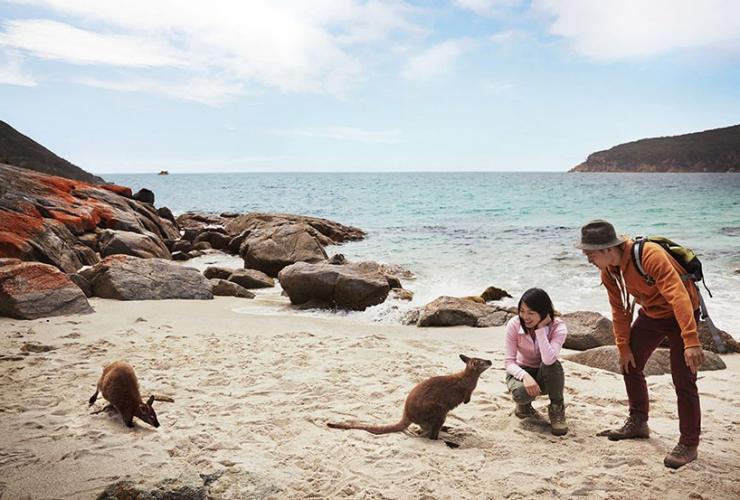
{"x":253,"y":392}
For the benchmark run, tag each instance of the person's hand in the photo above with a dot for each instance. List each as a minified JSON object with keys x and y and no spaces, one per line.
{"x":626,"y":360}
{"x":545,"y":321}
{"x":694,"y":357}
{"x":531,"y":386}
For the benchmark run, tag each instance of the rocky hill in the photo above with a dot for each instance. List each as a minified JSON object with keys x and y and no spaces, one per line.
{"x":716,"y":150}
{"x":18,"y":150}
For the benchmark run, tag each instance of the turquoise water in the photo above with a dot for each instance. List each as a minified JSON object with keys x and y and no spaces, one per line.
{"x":461,"y":232}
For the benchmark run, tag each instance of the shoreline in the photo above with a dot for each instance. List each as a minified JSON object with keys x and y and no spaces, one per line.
{"x":253,"y":391}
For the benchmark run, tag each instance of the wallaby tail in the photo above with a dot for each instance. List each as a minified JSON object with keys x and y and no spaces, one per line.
{"x":374,"y":429}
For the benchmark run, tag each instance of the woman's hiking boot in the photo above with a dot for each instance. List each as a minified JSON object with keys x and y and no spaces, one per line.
{"x":680,"y":456}
{"x":526,"y":411}
{"x":633,"y":428}
{"x":557,"y":419}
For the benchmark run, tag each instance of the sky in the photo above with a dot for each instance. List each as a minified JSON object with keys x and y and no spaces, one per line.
{"x":351,"y":85}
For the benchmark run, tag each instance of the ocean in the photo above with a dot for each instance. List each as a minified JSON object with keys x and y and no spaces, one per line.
{"x":462,"y":232}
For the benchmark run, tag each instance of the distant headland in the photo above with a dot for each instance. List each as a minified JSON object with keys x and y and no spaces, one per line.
{"x":716,"y":150}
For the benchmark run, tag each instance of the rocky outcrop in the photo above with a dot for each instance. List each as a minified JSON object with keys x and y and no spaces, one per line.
{"x":586,"y":330}
{"x":30,"y":290}
{"x":716,"y":150}
{"x":327,"y":285}
{"x":455,"y":311}
{"x":331,"y":232}
{"x":607,"y":358}
{"x":21,"y":151}
{"x":55,"y":221}
{"x":124,"y":277}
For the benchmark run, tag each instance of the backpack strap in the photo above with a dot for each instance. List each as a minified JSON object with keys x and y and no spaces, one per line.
{"x":637,"y":250}
{"x":718,"y":342}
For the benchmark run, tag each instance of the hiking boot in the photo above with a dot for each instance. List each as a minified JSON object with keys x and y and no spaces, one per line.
{"x":526,"y":411}
{"x":632,"y":429}
{"x":557,"y":419}
{"x":680,"y":456}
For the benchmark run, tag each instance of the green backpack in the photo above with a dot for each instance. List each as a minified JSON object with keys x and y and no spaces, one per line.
{"x":691,"y":263}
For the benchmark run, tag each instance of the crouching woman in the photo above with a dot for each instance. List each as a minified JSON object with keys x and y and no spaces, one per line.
{"x":533,"y":342}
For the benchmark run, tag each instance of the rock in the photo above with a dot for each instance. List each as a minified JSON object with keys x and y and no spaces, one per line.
{"x":271,"y":249}
{"x":587,"y":330}
{"x":166,"y":490}
{"x":337,"y":259}
{"x":166,"y":213}
{"x":251,"y":278}
{"x":411,"y":317}
{"x":202,"y":246}
{"x":144,"y":195}
{"x":181,"y":256}
{"x":29,"y":347}
{"x":345,"y":286}
{"x":496,"y":318}
{"x":9,"y":262}
{"x":182,"y":246}
{"x":31,"y":290}
{"x":145,"y":245}
{"x":492,"y":293}
{"x":124,"y":277}
{"x":200,"y":220}
{"x":223,"y":273}
{"x":607,"y":358}
{"x":401,"y":294}
{"x":226,"y":288}
{"x":190,"y":233}
{"x":216,"y":239}
{"x":90,"y":240}
{"x":707,"y":342}
{"x":83,"y":283}
{"x":454,"y":311}
{"x":330,"y":232}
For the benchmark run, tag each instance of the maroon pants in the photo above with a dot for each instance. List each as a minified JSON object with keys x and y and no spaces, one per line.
{"x":647,"y":334}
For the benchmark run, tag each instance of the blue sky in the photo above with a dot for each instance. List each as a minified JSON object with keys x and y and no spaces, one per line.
{"x":352,"y":85}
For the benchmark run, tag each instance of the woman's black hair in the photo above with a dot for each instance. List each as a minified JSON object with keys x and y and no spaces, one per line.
{"x":538,"y":301}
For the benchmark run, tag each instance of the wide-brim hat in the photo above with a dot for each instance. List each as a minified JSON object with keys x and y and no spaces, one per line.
{"x":599,"y":234}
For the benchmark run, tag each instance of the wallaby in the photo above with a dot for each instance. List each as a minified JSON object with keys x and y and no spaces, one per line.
{"x":429,"y":401}
{"x":120,"y":387}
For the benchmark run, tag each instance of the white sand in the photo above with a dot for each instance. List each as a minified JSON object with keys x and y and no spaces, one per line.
{"x":253,"y":393}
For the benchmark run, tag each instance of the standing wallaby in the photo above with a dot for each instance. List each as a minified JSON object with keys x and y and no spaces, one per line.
{"x":121,"y":388}
{"x":429,"y":402}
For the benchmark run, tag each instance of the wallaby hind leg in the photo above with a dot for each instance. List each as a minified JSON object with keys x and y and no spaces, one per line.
{"x":436,"y":427}
{"x":93,"y":398}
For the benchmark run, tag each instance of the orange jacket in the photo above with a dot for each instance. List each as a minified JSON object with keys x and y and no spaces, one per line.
{"x":668,"y":297}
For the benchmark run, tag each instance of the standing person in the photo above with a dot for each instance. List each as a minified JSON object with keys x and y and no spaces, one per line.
{"x":669,"y":309}
{"x":533,"y":341}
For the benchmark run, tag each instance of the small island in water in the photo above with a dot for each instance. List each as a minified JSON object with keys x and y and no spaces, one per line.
{"x":716,"y":150}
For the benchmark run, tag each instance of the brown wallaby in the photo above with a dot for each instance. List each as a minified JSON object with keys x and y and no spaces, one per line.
{"x":429,"y":401}
{"x":120,"y":387}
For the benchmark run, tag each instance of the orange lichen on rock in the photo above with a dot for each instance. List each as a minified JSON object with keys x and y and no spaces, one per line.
{"x":15,"y":231}
{"x":30,"y":277}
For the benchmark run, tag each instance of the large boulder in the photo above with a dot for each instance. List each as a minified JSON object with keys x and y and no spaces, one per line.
{"x":586,"y":330}
{"x":217,"y":272}
{"x":707,"y":341}
{"x":607,"y":358}
{"x":145,"y":245}
{"x":328,"y":285}
{"x":251,"y":278}
{"x":272,"y":248}
{"x":124,"y":277}
{"x":330,"y":232}
{"x":31,"y":290}
{"x":455,"y":311}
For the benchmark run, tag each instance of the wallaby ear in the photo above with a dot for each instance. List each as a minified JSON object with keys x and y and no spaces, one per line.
{"x":150,"y":400}
{"x":464,"y":358}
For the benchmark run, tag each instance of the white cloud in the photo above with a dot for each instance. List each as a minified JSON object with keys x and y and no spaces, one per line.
{"x":11,"y":73}
{"x":639,"y":28}
{"x":352,"y":134}
{"x":436,"y":60}
{"x":290,"y":45}
{"x":486,"y":7}
{"x":212,"y":91}
{"x":53,"y":40}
